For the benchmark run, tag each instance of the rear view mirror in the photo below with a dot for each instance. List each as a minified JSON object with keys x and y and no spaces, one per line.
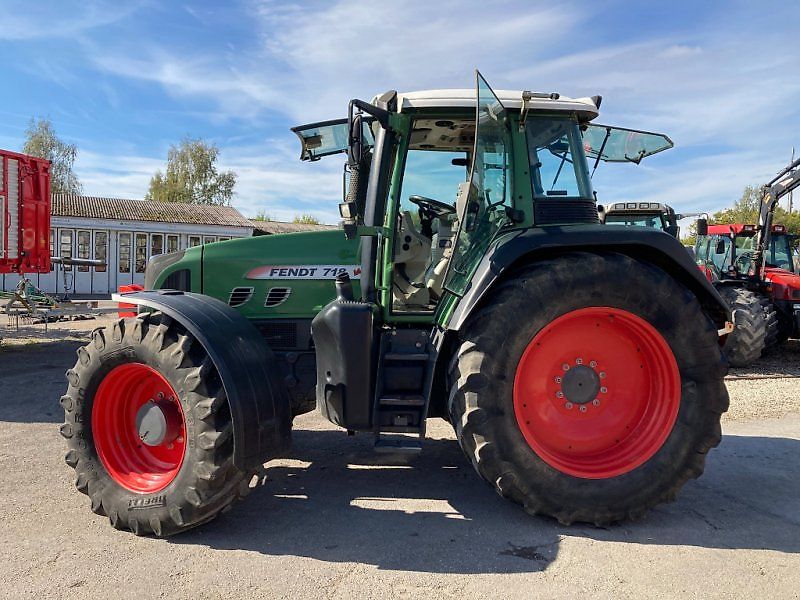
{"x":702,"y":226}
{"x":355,"y":146}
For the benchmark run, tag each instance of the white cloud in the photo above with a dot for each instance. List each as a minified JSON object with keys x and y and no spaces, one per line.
{"x":49,"y":20}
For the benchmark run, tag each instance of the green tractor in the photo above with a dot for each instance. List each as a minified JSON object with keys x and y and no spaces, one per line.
{"x":579,"y":364}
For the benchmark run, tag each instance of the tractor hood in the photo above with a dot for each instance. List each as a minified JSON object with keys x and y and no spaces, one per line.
{"x":785,"y":284}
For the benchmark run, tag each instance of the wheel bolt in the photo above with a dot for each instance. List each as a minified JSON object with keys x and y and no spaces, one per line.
{"x":578,"y":361}
{"x":559,"y":394}
{"x":565,"y":367}
{"x":603,"y":390}
{"x":179,"y":439}
{"x":568,"y":405}
{"x":593,"y":364}
{"x":160,"y":395}
{"x":602,"y":374}
{"x":558,"y":379}
{"x":582,"y":408}
{"x":595,"y":402}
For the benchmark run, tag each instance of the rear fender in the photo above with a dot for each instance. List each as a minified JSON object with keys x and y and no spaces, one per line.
{"x":527,"y":246}
{"x":258,"y":399}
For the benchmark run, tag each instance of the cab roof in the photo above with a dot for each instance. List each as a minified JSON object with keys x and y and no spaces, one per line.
{"x":511,"y":99}
{"x":638,"y":207}
{"x":741,"y":229}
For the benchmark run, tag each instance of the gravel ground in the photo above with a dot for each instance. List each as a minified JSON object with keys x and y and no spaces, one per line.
{"x":334,"y":521}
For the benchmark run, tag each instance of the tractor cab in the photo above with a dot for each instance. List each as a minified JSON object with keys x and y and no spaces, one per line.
{"x":727,"y":251}
{"x":449,"y":180}
{"x":641,"y":214}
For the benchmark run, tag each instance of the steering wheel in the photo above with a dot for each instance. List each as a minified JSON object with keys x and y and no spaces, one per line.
{"x":432,"y":208}
{"x":743,"y":261}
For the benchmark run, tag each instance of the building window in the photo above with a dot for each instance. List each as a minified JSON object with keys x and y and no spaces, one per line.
{"x":194,"y":240}
{"x":156,"y":244}
{"x":101,"y":249}
{"x":209,"y":239}
{"x":84,"y":248}
{"x":141,"y":252}
{"x":66,"y":246}
{"x":124,"y":252}
{"x":52,"y":244}
{"x":172,"y":243}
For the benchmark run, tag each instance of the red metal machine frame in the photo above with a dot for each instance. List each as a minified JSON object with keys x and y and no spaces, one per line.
{"x":31,"y":254}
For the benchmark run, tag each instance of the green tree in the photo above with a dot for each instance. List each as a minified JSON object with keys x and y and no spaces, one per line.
{"x":306,"y":219}
{"x":746,"y":210}
{"x":192,"y":177}
{"x":41,"y":140}
{"x":262,"y":216}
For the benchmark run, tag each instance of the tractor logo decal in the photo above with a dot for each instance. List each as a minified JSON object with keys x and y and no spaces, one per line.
{"x":303,"y":271}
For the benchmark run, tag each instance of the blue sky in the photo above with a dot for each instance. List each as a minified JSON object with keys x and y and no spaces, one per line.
{"x":123,"y":81}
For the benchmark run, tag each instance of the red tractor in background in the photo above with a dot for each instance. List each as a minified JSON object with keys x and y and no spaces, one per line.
{"x":24,"y":214}
{"x":752,"y":267}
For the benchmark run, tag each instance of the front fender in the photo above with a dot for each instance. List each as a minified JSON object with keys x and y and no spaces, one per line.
{"x":529,"y":245}
{"x":258,"y":399}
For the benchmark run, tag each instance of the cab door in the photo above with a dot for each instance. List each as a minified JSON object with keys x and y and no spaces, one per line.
{"x":484,"y":199}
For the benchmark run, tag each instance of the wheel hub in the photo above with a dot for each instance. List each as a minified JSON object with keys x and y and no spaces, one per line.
{"x":580,"y":384}
{"x":158,"y":422}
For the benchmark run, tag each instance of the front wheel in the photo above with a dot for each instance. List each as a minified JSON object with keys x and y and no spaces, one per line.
{"x":148,"y":428}
{"x":588,"y":388}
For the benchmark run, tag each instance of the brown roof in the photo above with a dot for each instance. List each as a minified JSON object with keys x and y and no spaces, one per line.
{"x":272,"y":227}
{"x":91,"y":207}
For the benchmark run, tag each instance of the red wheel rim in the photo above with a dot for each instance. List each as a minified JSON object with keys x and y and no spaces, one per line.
{"x":134,"y":464}
{"x":597,"y":392}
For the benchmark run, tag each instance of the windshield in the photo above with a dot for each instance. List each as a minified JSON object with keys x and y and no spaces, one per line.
{"x":780,"y":254}
{"x":552,"y":145}
{"x":636,"y":220}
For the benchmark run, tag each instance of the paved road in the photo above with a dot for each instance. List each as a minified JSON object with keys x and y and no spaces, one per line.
{"x":334,"y":522}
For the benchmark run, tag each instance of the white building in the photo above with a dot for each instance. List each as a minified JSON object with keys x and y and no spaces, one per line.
{"x":125,"y":234}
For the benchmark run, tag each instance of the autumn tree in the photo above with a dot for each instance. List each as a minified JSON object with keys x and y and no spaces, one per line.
{"x":306,"y":219}
{"x":41,"y":140}
{"x":192,"y":177}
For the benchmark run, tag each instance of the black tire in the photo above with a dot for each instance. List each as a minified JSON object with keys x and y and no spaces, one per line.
{"x":482,"y":374}
{"x":772,"y":329}
{"x":747,"y":341}
{"x":207,"y":482}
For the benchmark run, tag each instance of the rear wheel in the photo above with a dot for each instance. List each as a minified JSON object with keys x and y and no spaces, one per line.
{"x":748,"y":339}
{"x":149,"y":429}
{"x":589,"y":388}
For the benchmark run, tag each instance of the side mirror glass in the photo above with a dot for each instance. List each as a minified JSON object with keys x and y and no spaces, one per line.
{"x":701,"y":226}
{"x":672,"y":230}
{"x":355,"y":133}
{"x":720,"y":247}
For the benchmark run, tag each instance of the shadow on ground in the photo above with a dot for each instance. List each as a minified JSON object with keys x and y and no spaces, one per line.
{"x":436,"y":515}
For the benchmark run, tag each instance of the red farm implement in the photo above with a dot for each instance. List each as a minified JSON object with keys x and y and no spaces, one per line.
{"x":24,"y":214}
